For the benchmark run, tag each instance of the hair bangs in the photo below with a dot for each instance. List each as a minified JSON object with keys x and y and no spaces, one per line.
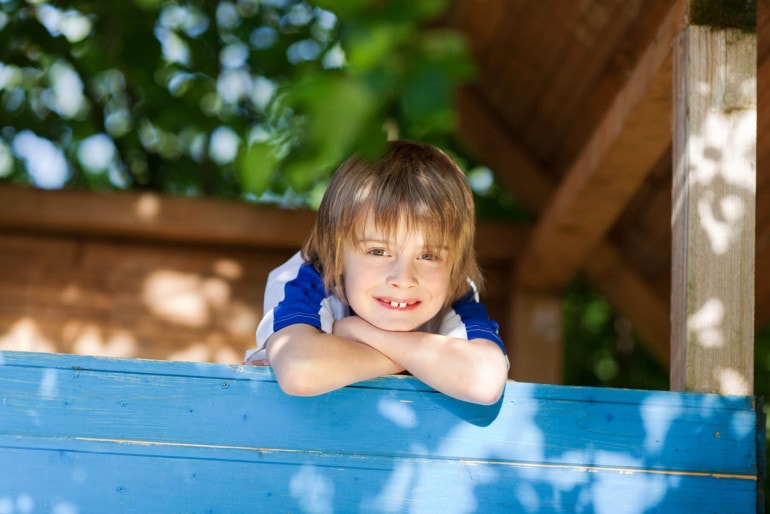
{"x":395,"y":204}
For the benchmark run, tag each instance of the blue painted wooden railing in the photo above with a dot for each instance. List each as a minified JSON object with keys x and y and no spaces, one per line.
{"x":84,"y":434}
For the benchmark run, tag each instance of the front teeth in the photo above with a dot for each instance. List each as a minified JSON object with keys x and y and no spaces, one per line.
{"x":396,"y":304}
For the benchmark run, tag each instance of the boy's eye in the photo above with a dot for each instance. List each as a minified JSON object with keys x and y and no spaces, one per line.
{"x":429,"y":257}
{"x":379,"y":252}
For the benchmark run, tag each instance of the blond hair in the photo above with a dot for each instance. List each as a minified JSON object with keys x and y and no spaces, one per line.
{"x":411,"y":182}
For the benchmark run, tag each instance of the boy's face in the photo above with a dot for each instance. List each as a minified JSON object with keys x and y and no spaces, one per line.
{"x":395,"y":284}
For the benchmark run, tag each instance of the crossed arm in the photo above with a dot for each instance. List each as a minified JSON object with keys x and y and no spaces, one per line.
{"x":307,"y":361}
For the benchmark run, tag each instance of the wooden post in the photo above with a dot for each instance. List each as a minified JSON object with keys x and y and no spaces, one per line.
{"x":713,"y":216}
{"x":534,"y":340}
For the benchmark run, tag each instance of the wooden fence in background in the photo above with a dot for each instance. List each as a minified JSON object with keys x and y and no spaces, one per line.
{"x":141,"y":275}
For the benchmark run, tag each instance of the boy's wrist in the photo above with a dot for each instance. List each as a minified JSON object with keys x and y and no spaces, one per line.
{"x":348,"y":328}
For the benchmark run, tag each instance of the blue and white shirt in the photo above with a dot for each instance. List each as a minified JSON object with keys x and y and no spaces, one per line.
{"x":295,"y":293}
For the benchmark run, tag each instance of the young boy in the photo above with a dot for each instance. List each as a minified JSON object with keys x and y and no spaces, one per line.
{"x":385,"y":283}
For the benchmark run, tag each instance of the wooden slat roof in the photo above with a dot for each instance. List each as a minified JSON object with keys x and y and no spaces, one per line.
{"x":571,"y":108}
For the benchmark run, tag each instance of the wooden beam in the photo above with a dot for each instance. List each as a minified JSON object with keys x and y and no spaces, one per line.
{"x":534,"y":341}
{"x":714,"y":204}
{"x":624,"y":147}
{"x":485,"y":136}
{"x":152,"y":216}
{"x":191,"y":220}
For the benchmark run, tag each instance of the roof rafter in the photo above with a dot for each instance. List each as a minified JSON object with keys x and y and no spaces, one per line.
{"x":484,"y":135}
{"x":579,"y":214}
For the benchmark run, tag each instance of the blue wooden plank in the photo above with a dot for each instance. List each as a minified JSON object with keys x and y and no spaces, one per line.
{"x":646,"y":430}
{"x":393,"y":439}
{"x":90,"y":476}
{"x":257,"y":373}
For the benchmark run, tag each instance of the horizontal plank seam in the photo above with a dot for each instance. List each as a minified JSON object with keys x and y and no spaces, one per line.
{"x":572,"y":467}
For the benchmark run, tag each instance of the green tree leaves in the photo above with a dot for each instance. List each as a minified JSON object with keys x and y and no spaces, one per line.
{"x":165,"y":89}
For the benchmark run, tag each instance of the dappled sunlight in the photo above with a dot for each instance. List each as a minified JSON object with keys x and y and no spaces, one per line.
{"x":240,"y":319}
{"x":720,"y":233}
{"x":49,"y":384}
{"x":71,"y":294}
{"x":602,"y":498}
{"x":90,"y":339}
{"x":398,"y":412}
{"x":85,"y":337}
{"x":714,"y":213}
{"x":706,"y":324}
{"x":22,"y":503}
{"x":657,"y":421}
{"x":24,"y":335}
{"x":586,"y":473}
{"x":133,"y":299}
{"x":440,"y":490}
{"x":722,"y":132}
{"x":313,"y":490}
{"x":731,"y":381}
{"x":196,"y":352}
{"x":386,"y":445}
{"x":719,"y":160}
{"x":148,"y":207}
{"x":184,"y":298}
{"x":588,"y":488}
{"x":196,"y":301}
{"x":228,"y":268}
{"x":206,"y":352}
{"x":394,"y":494}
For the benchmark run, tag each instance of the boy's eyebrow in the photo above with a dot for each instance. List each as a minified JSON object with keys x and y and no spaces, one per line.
{"x":373,"y":239}
{"x":380,"y":239}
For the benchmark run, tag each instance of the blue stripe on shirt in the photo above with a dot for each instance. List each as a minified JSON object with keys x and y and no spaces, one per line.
{"x":476,"y":320}
{"x":302,"y":300}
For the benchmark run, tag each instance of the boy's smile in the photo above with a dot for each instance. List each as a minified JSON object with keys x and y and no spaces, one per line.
{"x":395,"y":283}
{"x":395,"y":304}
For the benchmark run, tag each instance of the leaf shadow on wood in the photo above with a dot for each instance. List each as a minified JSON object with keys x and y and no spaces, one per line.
{"x":157,"y":436}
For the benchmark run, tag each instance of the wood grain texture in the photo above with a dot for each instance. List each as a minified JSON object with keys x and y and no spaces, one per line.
{"x":714,"y":211}
{"x":623,"y":148}
{"x":89,"y":434}
{"x":152,"y":216}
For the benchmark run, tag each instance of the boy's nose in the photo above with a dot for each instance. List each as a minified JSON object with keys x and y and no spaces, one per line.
{"x":402,"y":273}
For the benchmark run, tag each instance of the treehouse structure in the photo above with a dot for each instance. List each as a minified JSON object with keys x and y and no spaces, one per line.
{"x":637,"y":133}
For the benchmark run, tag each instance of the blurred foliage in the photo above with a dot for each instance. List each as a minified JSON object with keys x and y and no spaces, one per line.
{"x":602,"y":348}
{"x":258,"y":99}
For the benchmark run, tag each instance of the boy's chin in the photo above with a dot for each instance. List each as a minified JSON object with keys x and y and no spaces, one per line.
{"x":390,"y":326}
